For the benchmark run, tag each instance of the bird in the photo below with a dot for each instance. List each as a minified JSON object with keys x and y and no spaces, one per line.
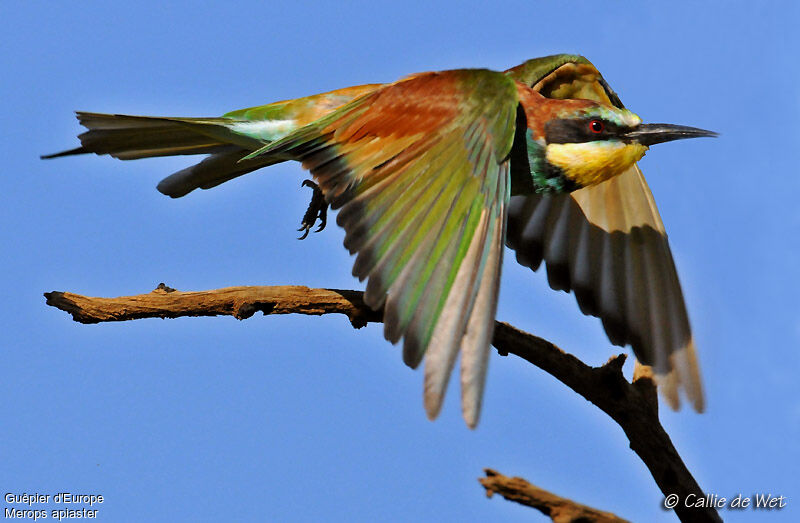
{"x":433,"y":174}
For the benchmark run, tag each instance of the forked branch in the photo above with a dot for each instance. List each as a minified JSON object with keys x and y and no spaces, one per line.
{"x":634,"y":406}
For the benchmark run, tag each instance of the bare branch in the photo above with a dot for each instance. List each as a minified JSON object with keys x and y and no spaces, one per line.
{"x":239,"y":302}
{"x":634,"y":406}
{"x":560,"y":510}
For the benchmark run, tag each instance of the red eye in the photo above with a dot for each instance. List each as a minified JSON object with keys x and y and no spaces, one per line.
{"x":596,"y":126}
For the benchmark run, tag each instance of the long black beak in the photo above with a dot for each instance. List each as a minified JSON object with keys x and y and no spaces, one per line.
{"x":653,"y":133}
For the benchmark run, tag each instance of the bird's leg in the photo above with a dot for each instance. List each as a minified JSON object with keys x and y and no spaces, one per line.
{"x":317,"y":210}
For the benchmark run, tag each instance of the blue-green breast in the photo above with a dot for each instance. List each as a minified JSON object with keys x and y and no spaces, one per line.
{"x":530,"y":171}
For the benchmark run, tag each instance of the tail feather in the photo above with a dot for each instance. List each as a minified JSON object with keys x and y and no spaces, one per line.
{"x":129,"y":137}
{"x":216,"y":169}
{"x":132,"y":137}
{"x":68,"y":152}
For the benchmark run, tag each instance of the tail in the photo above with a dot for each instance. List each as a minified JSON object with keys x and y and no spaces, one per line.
{"x":133,"y":137}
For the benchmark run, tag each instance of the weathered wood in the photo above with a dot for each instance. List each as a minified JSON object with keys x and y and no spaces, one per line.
{"x":557,"y":508}
{"x":634,"y":406}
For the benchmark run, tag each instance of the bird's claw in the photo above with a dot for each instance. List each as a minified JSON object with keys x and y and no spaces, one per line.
{"x":317,"y":210}
{"x":305,"y":233}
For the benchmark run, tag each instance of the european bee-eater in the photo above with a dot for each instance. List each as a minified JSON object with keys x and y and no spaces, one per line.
{"x":434,"y":173}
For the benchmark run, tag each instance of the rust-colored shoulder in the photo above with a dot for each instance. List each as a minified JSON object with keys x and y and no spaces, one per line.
{"x":539,"y":109}
{"x":412,"y":106}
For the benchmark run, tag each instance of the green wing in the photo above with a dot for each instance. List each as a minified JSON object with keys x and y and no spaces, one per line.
{"x":419,"y":171}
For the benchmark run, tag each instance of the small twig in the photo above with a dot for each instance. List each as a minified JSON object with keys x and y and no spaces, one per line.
{"x":634,"y":406}
{"x":560,"y":510}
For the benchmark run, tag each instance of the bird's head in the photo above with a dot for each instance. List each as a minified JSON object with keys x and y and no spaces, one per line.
{"x":577,"y":143}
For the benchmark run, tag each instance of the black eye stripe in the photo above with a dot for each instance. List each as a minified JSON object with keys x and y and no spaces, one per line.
{"x":579,"y":130}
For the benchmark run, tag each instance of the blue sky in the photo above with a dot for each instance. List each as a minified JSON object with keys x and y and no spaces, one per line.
{"x":302,"y":418}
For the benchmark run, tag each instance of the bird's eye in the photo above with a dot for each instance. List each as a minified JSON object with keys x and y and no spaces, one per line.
{"x":596,"y":126}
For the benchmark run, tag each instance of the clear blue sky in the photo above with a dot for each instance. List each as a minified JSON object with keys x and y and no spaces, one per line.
{"x":303,"y":418}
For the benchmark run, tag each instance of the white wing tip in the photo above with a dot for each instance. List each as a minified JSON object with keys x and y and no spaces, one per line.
{"x":470,"y":409}
{"x":432,"y":399}
{"x":685,"y":374}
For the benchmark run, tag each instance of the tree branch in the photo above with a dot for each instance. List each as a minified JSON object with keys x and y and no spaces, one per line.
{"x":239,"y":302}
{"x":634,"y":406}
{"x":560,"y":510}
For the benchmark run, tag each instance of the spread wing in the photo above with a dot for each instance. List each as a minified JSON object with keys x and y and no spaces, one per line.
{"x":419,"y":170}
{"x":607,"y":244}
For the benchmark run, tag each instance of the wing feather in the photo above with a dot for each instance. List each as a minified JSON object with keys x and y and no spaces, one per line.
{"x":480,"y":326}
{"x":620,"y":268}
{"x":419,"y":170}
{"x":445,"y":341}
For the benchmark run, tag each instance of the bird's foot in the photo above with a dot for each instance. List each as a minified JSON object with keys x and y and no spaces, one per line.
{"x":317,"y":210}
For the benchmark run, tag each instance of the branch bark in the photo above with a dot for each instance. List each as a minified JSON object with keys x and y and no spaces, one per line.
{"x":558,"y":509}
{"x":634,"y":406}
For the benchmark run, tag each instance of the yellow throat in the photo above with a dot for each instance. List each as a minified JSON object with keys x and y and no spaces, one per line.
{"x":590,"y":163}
